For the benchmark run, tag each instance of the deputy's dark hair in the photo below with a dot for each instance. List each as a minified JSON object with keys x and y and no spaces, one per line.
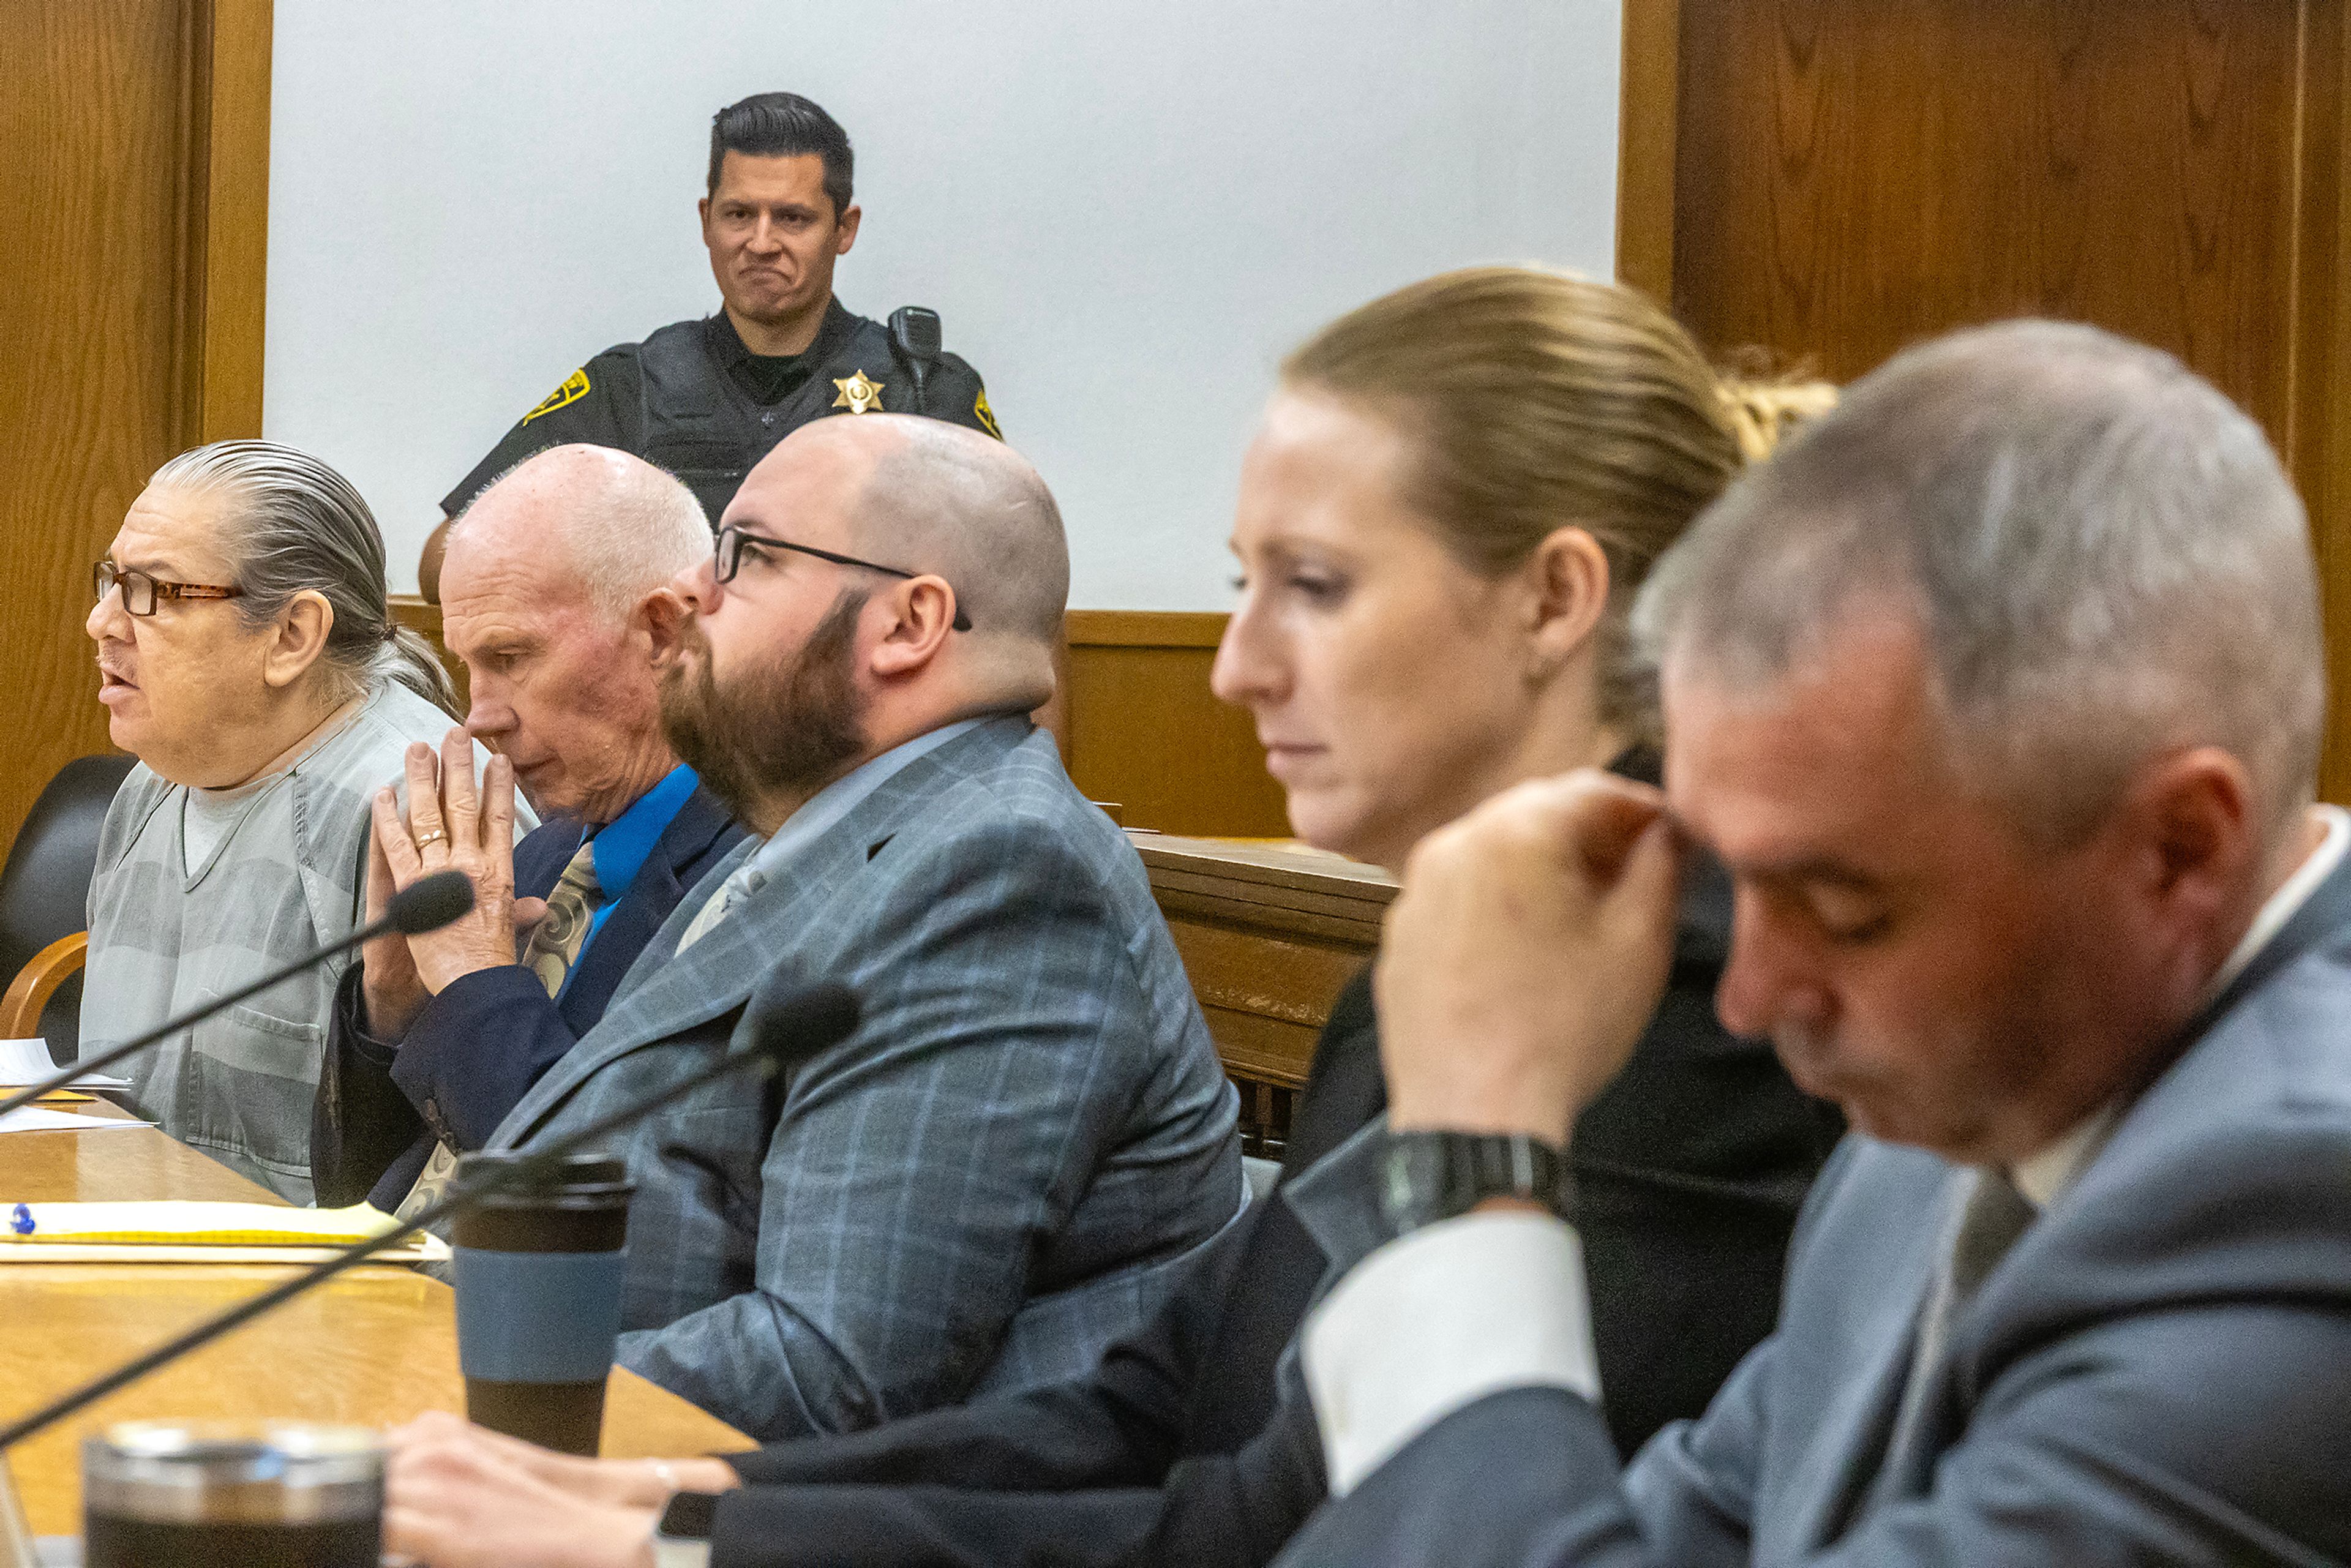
{"x":784,"y":125}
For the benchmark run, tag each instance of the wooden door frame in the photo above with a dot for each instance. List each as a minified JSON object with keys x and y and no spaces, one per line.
{"x":1649,"y":120}
{"x":225,"y":306}
{"x":2316,"y":443}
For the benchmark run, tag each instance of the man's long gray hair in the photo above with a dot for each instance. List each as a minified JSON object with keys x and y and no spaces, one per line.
{"x":2103,"y":555}
{"x":294,"y":524}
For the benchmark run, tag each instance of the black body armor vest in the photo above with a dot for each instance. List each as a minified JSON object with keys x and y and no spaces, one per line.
{"x":704,"y":428}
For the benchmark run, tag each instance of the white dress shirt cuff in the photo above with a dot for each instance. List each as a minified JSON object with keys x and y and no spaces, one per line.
{"x":668,"y":1554}
{"x":1439,"y":1319}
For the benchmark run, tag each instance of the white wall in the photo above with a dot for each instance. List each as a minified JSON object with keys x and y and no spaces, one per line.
{"x":1125,"y":210}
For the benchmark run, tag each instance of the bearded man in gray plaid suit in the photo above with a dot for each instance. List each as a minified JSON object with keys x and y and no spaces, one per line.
{"x":1007,"y":1164}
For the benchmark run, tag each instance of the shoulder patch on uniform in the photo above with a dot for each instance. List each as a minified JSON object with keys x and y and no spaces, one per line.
{"x":987,"y":415}
{"x":858,"y":394}
{"x":574,"y":388}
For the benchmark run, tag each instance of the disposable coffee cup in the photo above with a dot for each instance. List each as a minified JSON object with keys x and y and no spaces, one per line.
{"x":201,"y":1494}
{"x":538,"y":1273}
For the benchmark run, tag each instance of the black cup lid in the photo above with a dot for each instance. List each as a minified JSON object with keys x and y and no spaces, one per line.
{"x":214,"y":1472}
{"x":571,"y":1171}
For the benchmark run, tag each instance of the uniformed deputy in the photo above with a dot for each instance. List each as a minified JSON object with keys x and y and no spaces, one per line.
{"x":708,"y":399}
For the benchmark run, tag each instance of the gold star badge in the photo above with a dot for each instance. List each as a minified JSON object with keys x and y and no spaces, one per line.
{"x":859,"y":395}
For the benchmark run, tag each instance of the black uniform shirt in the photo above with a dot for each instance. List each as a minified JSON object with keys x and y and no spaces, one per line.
{"x":693,"y":399}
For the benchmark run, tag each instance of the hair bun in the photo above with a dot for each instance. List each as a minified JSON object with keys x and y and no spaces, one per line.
{"x":1764,"y":413}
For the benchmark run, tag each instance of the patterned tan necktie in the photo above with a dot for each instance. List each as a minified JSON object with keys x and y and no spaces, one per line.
{"x":554,"y":946}
{"x":556,"y":941}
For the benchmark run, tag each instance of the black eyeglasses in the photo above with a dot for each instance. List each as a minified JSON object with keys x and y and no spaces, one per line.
{"x":139,"y":592}
{"x":730,"y":561}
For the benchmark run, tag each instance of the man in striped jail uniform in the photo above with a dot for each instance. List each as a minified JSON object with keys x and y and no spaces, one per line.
{"x":246,"y":657}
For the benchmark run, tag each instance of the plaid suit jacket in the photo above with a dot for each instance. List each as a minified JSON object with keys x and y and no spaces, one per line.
{"x":998,"y":1175}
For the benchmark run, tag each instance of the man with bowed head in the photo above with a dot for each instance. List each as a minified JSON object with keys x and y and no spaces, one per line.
{"x":1002,"y":1171}
{"x":438,"y":1035}
{"x":1999,"y":695}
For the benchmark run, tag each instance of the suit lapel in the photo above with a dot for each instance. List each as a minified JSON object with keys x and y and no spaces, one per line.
{"x":667,"y":993}
{"x":644,"y":1001}
{"x":686,"y":992}
{"x":698,"y":825}
{"x":1847,"y":1451}
{"x":542,"y":854}
{"x":661,"y":884}
{"x":1279,"y":1262}
{"x":1343,"y":1085}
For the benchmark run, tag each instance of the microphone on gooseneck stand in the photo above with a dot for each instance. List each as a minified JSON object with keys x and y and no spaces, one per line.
{"x":426,"y":904}
{"x":783,"y":1025}
{"x":915,"y":332}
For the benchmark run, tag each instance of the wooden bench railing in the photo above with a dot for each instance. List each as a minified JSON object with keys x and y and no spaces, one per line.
{"x":1269,"y":932}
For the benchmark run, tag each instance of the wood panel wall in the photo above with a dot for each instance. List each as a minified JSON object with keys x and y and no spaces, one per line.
{"x":1832,"y":179}
{"x":133,"y":195}
{"x":1269,"y":934}
{"x":1146,"y":733}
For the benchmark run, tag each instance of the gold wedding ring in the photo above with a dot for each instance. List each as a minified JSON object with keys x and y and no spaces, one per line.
{"x":425,"y":839}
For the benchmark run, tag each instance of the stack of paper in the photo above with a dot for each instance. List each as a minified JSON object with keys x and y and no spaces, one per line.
{"x":27,"y":1061}
{"x":183,"y":1232}
{"x":33,"y":1119}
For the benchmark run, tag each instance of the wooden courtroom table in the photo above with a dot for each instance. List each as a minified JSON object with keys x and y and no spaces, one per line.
{"x":372,"y":1348}
{"x":1269,"y":931}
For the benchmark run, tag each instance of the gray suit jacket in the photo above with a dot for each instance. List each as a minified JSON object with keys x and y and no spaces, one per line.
{"x":998,"y":1175}
{"x":2160,"y":1372}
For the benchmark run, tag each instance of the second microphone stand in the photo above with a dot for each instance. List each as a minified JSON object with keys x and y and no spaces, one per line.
{"x":756,"y":1059}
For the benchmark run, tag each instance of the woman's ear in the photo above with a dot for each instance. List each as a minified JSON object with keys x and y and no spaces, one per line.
{"x":303,"y":628}
{"x":1567,"y":577}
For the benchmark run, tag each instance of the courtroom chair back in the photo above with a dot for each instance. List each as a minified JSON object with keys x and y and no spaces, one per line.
{"x":45,"y":887}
